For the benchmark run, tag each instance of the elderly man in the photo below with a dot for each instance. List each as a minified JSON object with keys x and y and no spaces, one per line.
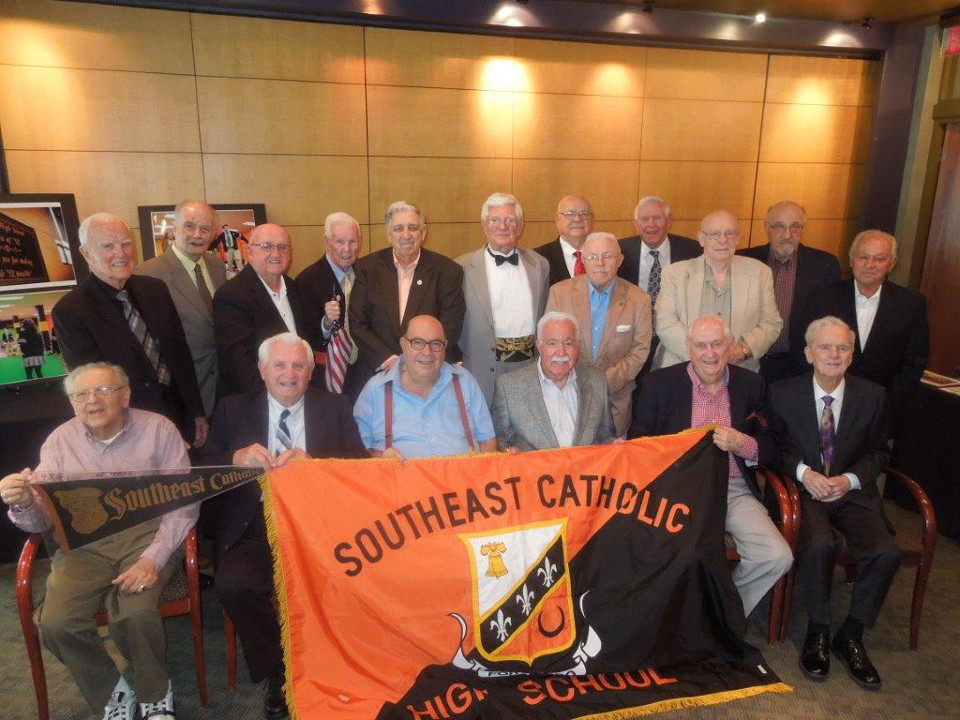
{"x":193,"y":275}
{"x":617,"y":314}
{"x":260,"y":302}
{"x":506,"y":292}
{"x":399,"y":283}
{"x":738,"y":290}
{"x":125,"y":572}
{"x":893,"y":340}
{"x":830,"y":428}
{"x":555,"y":402}
{"x":653,"y":248}
{"x":326,"y":287}
{"x":798,"y":271}
{"x":130,"y":321}
{"x":267,"y":428}
{"x":707,"y":390}
{"x":574,"y":221}
{"x":423,"y":406}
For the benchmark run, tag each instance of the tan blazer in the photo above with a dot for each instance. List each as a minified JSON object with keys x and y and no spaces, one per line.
{"x":626,"y":337}
{"x":753,"y":308}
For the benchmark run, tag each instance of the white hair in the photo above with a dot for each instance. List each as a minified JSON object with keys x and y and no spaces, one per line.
{"x":874,"y":233}
{"x":557,"y":316}
{"x":826,"y":321}
{"x":499,"y":200}
{"x":338,"y":218}
{"x":287,"y":338}
{"x":118,"y":371}
{"x":647,"y":201}
{"x":400,"y":206}
{"x":100,"y":218}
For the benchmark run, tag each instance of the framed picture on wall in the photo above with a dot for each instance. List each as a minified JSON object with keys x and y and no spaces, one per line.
{"x":39,"y":244}
{"x":230,"y":244}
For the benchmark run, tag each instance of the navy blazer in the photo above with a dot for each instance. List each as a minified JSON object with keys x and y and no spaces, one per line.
{"x":243,"y":317}
{"x":90,"y":327}
{"x":860,"y":444}
{"x":242,"y":420}
{"x":815,"y":269}
{"x":666,"y":407}
{"x":898,"y":346}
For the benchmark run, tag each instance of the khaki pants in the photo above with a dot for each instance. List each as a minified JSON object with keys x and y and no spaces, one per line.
{"x":79,"y":581}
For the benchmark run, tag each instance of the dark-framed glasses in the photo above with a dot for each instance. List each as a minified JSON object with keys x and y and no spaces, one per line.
{"x":101,"y":392}
{"x":419,"y":344}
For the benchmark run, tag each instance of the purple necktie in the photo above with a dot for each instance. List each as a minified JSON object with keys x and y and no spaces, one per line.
{"x":827,"y":434}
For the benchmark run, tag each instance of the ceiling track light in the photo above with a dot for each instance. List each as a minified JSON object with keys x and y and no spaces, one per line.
{"x":760,"y":17}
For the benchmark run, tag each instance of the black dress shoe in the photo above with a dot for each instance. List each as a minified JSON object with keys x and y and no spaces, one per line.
{"x":275,"y":703}
{"x":815,"y":656}
{"x":854,"y":656}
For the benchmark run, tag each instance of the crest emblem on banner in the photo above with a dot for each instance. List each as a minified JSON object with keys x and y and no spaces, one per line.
{"x":523,"y":604}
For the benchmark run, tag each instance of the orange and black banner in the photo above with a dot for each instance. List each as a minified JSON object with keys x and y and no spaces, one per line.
{"x":87,"y":508}
{"x":575,"y":583}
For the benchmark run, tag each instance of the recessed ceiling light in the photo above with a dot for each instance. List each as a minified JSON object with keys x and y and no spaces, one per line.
{"x":760,"y":17}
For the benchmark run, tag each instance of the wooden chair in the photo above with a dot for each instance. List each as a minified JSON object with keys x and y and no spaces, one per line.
{"x":181,"y":596}
{"x":790,"y":529}
{"x":916,"y":552}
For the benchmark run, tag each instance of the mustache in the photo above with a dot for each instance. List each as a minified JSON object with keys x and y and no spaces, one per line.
{"x":560,"y":359}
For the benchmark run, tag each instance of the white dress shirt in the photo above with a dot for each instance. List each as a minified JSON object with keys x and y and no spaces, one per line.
{"x":295,"y":424}
{"x":568,"y":258}
{"x":646,"y":261}
{"x":562,"y":405}
{"x":511,"y":299}
{"x":866,"y":312}
{"x":837,"y":395}
{"x":282,"y":303}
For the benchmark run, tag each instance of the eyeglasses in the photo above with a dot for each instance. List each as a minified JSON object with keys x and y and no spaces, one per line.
{"x":102,"y":392}
{"x":727,"y":234}
{"x":593,"y":257}
{"x":779,"y":228}
{"x":582,"y":214}
{"x":271,"y":247}
{"x":495,"y":220}
{"x":419,"y":344}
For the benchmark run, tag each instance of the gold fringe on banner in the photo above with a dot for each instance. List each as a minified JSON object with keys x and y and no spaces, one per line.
{"x":690,"y":702}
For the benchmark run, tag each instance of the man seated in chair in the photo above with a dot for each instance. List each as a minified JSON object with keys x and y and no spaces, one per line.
{"x":125,"y":572}
{"x":832,"y":436}
{"x":423,"y":406}
{"x":555,"y":402}
{"x":267,"y":428}
{"x":705,"y":390}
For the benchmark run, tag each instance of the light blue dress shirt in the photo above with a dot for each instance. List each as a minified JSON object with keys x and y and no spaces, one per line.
{"x":599,"y":302}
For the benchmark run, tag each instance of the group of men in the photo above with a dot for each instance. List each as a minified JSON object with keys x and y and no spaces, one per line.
{"x":585,"y":340}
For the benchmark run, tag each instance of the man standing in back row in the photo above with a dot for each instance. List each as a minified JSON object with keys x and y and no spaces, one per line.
{"x":574,"y":220}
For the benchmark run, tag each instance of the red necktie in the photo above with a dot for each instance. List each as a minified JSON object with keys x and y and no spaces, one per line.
{"x":578,"y":268}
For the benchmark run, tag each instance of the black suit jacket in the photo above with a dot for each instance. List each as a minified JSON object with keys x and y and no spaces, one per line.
{"x":90,"y":327}
{"x":375,"y":321}
{"x":666,"y":407}
{"x":681,"y":248}
{"x":860,"y":444}
{"x":243,"y":317}
{"x":815,"y":269}
{"x":558,"y":264}
{"x":242,"y":420}
{"x":899,"y":342}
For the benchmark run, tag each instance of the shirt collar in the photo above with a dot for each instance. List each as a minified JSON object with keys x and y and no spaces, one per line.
{"x":566,"y":247}
{"x":665,"y":245}
{"x":600,"y":294}
{"x":277,"y":408}
{"x":837,"y":394}
{"x":544,"y":380}
{"x":860,"y":297}
{"x":110,"y":440}
{"x":773,"y":259}
{"x":185,"y":259}
{"x":410,"y":266}
{"x":281,"y":293}
{"x":339,"y":273}
{"x":698,"y":383}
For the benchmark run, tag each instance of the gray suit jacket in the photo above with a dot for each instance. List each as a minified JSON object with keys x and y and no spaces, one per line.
{"x":477,"y":341}
{"x":520,"y":414}
{"x":196,"y":319}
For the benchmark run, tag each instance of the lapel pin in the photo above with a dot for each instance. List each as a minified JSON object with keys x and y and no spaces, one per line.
{"x":419,"y":282}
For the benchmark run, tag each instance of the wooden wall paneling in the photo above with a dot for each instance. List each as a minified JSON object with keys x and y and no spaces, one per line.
{"x":56,"y":109}
{"x":705,"y":75}
{"x":822,"y":80}
{"x":693,"y":189}
{"x":445,"y":189}
{"x":539,"y":232}
{"x":609,"y":185}
{"x":701,"y":130}
{"x":565,"y":126}
{"x":451,"y":239}
{"x":281,"y":117}
{"x":308,"y":245}
{"x":826,"y":190}
{"x":74,"y":35}
{"x":574,"y":68}
{"x":443,"y":60}
{"x":690,"y":228}
{"x":815,"y":133}
{"x":108,"y":181}
{"x":279,"y":49}
{"x":297,"y":189}
{"x":423,"y":122}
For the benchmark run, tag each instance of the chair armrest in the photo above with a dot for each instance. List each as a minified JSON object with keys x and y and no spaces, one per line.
{"x":795,"y":507}
{"x":774,"y":483}
{"x":928,"y":535}
{"x":25,"y":579}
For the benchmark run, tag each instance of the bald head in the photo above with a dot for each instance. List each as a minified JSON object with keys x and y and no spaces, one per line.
{"x":194,"y":226}
{"x":574,"y":219}
{"x":422,"y":365}
{"x":270,"y":253}
{"x":719,"y":236}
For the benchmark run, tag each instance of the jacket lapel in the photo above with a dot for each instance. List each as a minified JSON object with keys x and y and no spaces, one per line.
{"x":421,"y":280}
{"x":533,"y":279}
{"x":618,"y":300}
{"x":475,"y":274}
{"x":180,"y":282}
{"x":739,"y":281}
{"x":694,"y":285}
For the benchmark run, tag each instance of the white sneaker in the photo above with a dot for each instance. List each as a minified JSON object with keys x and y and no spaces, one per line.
{"x":160,"y":710}
{"x":123,"y":702}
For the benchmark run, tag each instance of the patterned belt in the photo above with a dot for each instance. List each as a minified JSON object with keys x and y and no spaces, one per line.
{"x":515,"y":349}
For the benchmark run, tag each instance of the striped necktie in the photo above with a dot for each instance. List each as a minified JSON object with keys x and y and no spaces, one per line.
{"x":139,"y":329}
{"x":284,"y":441}
{"x":827,"y":434}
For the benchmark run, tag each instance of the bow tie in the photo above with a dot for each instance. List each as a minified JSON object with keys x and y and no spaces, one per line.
{"x":513,"y":259}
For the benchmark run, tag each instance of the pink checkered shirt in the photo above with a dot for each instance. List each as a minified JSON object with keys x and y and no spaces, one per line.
{"x":714,"y":408}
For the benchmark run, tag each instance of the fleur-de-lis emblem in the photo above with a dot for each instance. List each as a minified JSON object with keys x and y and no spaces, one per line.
{"x":500,"y":625}
{"x":524,"y":598}
{"x":547,"y":571}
